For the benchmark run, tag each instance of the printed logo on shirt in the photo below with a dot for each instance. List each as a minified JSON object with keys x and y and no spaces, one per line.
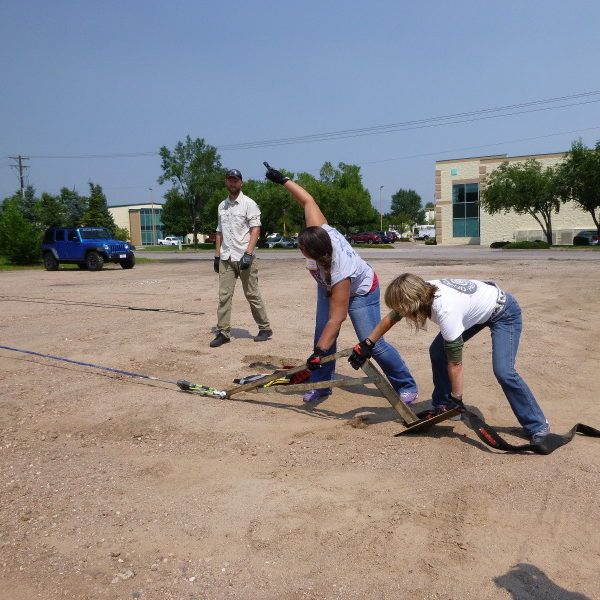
{"x":461,"y":285}
{"x":344,"y":245}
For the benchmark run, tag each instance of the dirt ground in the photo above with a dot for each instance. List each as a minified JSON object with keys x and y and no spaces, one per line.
{"x":117,"y":487}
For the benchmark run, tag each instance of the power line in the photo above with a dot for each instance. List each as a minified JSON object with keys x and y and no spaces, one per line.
{"x":456,"y":118}
{"x":438,"y":152}
{"x":417,"y":124}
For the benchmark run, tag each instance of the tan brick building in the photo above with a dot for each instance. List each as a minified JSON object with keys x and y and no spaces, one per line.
{"x":141,"y":220}
{"x":459,"y":219}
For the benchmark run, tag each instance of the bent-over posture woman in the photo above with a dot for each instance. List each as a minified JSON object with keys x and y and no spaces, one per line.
{"x":346,"y":285}
{"x":461,"y":308}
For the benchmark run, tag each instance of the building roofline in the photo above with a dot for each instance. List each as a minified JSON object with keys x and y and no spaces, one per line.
{"x":158,"y":204}
{"x":488,"y":157}
{"x":496,"y":157}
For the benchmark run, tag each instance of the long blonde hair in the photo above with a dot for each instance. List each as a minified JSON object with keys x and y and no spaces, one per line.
{"x":411,"y":297}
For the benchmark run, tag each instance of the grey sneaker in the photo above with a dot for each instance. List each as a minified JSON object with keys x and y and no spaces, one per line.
{"x":263,"y":335}
{"x":539,"y":436}
{"x":219,"y":340}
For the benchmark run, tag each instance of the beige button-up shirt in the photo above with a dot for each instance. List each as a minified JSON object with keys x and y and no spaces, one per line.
{"x":236,"y":217}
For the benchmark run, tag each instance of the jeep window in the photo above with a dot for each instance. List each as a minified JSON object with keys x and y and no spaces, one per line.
{"x":49,"y":236}
{"x":73,"y":236}
{"x":60,"y":235}
{"x":95,"y":234}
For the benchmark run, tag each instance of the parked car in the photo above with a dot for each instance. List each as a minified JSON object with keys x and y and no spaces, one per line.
{"x":169,"y":240}
{"x":281,"y":242}
{"x":387,"y":237}
{"x":366,"y":237}
{"x":424,"y":232}
{"x":86,"y":247}
{"x":588,"y":237}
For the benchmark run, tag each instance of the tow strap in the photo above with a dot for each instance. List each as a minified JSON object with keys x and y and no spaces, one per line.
{"x":550,"y":443}
{"x":488,"y":435}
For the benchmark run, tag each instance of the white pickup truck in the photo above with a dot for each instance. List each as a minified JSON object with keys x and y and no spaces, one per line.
{"x":170,"y":240}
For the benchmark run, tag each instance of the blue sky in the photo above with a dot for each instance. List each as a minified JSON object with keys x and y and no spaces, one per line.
{"x":108,"y":78}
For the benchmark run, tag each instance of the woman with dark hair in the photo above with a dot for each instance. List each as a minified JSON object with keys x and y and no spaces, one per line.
{"x":461,"y":308}
{"x":346,"y":285}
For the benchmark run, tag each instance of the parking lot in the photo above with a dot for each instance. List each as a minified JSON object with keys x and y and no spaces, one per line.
{"x":116,"y":486}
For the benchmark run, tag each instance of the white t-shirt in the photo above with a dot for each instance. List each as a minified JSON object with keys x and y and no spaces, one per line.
{"x":345,"y":263}
{"x":236,"y":217}
{"x":460,"y":304}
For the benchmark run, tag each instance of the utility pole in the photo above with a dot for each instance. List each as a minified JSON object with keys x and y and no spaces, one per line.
{"x":21,"y":168}
{"x":154,"y":239}
{"x":380,"y":208}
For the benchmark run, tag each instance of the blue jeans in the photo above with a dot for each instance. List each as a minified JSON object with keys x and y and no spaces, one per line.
{"x":364,"y":312}
{"x":506,"y":329}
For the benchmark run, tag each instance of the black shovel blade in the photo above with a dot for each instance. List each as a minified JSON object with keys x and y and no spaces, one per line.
{"x":426,"y":423}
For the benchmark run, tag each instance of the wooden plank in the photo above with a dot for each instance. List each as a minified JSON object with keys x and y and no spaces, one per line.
{"x":408,"y":416}
{"x":314,"y":385}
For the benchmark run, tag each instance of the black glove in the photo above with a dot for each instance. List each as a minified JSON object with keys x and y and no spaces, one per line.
{"x":313,"y":362}
{"x":360,"y":353}
{"x":246,"y":261}
{"x":274,"y":175}
{"x":216,"y":262}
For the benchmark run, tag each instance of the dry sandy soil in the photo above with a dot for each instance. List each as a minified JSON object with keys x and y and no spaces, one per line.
{"x":117,"y":487}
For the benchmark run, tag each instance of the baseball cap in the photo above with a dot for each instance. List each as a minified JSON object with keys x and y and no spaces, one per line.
{"x":234,"y":173}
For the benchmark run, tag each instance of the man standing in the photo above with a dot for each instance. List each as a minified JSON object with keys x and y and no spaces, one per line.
{"x":237,"y":234}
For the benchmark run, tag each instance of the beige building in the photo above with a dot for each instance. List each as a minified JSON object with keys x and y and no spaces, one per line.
{"x":141,"y":220}
{"x":459,"y":219}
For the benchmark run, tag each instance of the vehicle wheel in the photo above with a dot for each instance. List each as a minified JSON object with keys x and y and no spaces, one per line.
{"x":82,"y":266}
{"x":129,"y":262}
{"x":425,"y":237}
{"x":93,"y":261}
{"x":50,"y":262}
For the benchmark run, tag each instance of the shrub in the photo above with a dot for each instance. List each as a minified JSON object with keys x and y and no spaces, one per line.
{"x":498,"y":244}
{"x":431,"y":242}
{"x":19,"y":240}
{"x":537,"y":245}
{"x":122,"y":234}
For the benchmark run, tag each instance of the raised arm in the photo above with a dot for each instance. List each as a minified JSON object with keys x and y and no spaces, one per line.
{"x":312,"y":213}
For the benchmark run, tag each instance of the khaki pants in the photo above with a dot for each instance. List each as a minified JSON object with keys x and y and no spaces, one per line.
{"x":228,"y":272}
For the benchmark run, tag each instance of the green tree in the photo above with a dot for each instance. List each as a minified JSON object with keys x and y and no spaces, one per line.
{"x":19,"y":239}
{"x":174,"y":216}
{"x":580,"y":179}
{"x":279,"y":211}
{"x":526,"y":188}
{"x":350,"y":203}
{"x":97,"y":213}
{"x":49,"y":212}
{"x":408,"y":203}
{"x":342,"y":197}
{"x":400,"y":221}
{"x":194,"y":169}
{"x":73,"y":206}
{"x":27,"y":202}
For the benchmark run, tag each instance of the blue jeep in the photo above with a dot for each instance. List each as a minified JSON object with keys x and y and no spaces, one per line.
{"x":86,"y":247}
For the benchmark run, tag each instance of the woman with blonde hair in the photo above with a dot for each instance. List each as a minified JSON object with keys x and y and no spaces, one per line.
{"x":461,"y":308}
{"x":346,"y":285}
